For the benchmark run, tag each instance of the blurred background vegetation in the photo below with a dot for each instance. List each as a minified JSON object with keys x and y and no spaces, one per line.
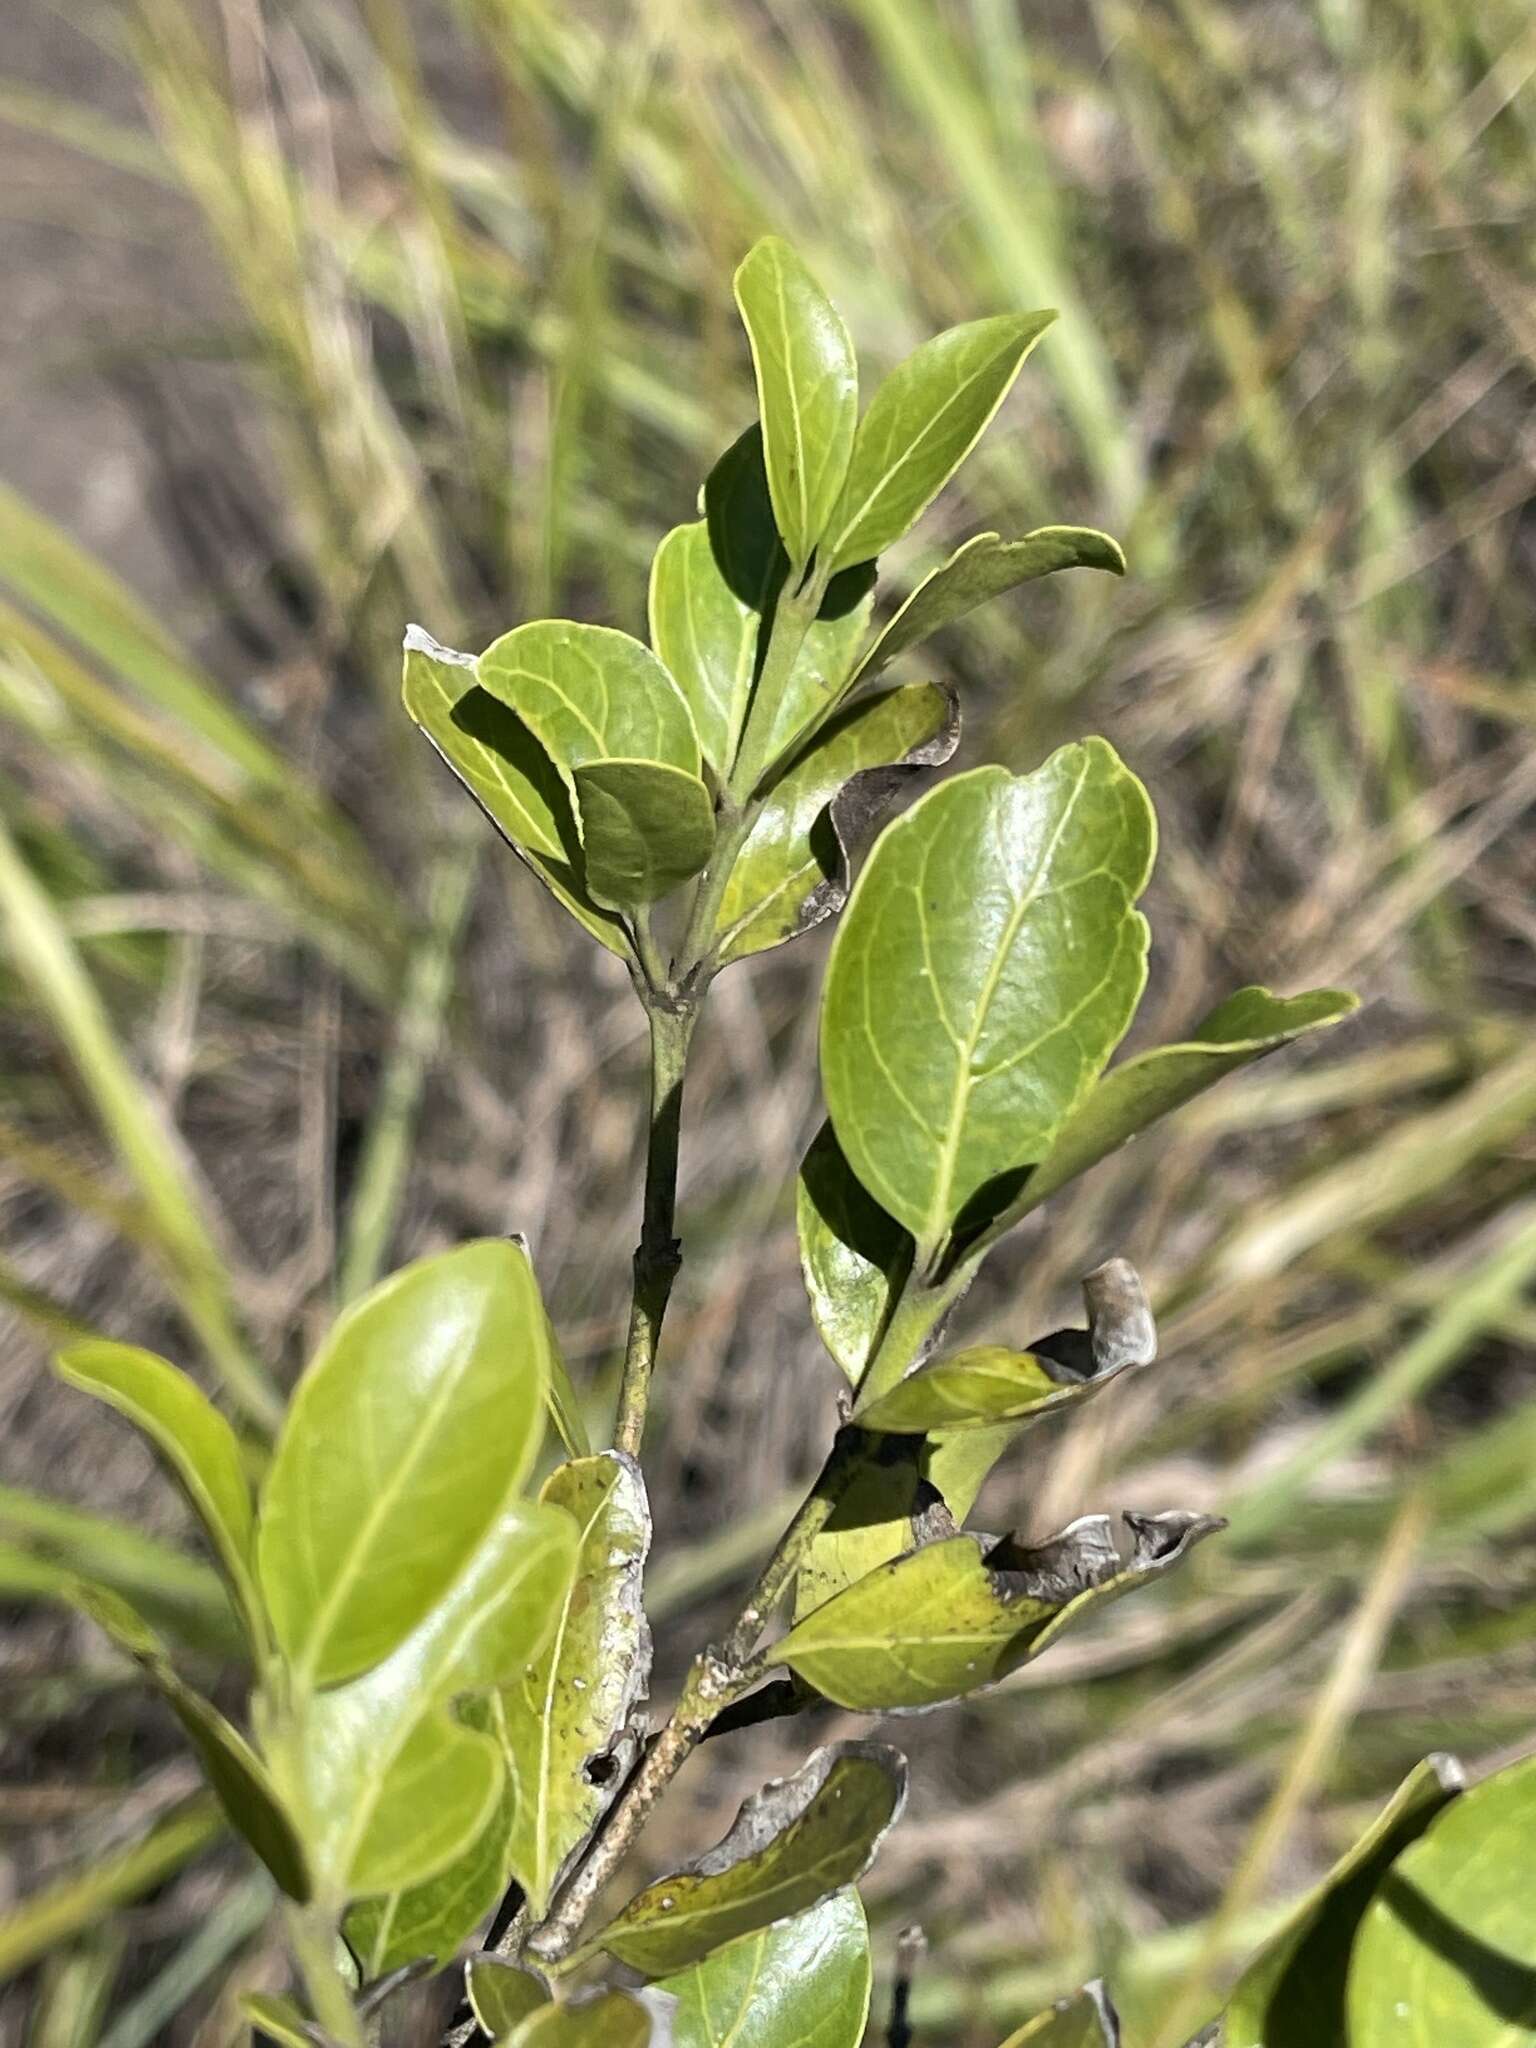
{"x":324,"y":315}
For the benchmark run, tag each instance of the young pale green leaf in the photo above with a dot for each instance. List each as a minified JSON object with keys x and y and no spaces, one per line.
{"x":706,"y":636}
{"x":803,"y":1981}
{"x":396,"y":1787}
{"x":508,"y":774}
{"x":793,"y":871}
{"x":1245,"y":1027}
{"x":561,"y":1398}
{"x":1086,"y":2020}
{"x":1446,"y":1951}
{"x":987,"y":965}
{"x":819,"y":677}
{"x":646,"y":828}
{"x":278,"y":2019}
{"x":954,"y":1616}
{"x":793,"y":1843}
{"x":239,"y":1778}
{"x":196,"y":1441}
{"x":589,"y":693}
{"x":416,"y":1422}
{"x":886,"y":1505}
{"x":1292,"y":1993}
{"x":807,"y":390}
{"x":985,"y":567}
{"x":853,"y":1256}
{"x":434,"y":1919}
{"x":501,"y":1994}
{"x":921,"y":424}
{"x":574,"y":1701}
{"x":597,"y":2019}
{"x":989,"y":1384}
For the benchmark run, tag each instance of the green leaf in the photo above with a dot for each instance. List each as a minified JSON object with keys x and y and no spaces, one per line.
{"x":574,"y":1702}
{"x":807,"y":390}
{"x":793,"y":1842}
{"x":195,"y":1439}
{"x":819,"y":676}
{"x":239,"y":1778}
{"x":738,"y":516}
{"x":803,"y":1981}
{"x":435,"y":1918}
{"x":886,"y":1505}
{"x":416,"y":1422}
{"x":1086,"y":2020}
{"x":985,"y":567}
{"x":507,"y":772}
{"x":987,"y":965}
{"x":588,"y":694}
{"x":989,"y":1384}
{"x":1292,"y":1993}
{"x":1446,"y":1951}
{"x":278,"y":2019}
{"x":396,"y":1787}
{"x":955,"y":1616}
{"x":1129,"y":1097}
{"x":793,"y":870}
{"x":597,"y":2019}
{"x":647,"y":828}
{"x":561,"y":1399}
{"x":707,"y":637}
{"x":853,"y":1256}
{"x":501,"y":1993}
{"x":921,"y":424}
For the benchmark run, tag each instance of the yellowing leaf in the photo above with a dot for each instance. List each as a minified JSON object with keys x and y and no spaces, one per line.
{"x":412,"y":1428}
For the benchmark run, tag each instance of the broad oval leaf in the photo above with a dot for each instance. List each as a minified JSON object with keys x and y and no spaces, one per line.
{"x":241,"y":1781}
{"x":501,"y":1994}
{"x":1085,"y":2020}
{"x":983,"y":568}
{"x":988,"y":963}
{"x":793,"y":1842}
{"x":396,"y":1787}
{"x":507,"y":772}
{"x":707,"y":637}
{"x":590,"y":693}
{"x":1293,"y":1991}
{"x":921,"y":424}
{"x":803,"y":1981}
{"x":573,"y":1703}
{"x":793,"y":870}
{"x":196,"y":1441}
{"x":955,"y":1616}
{"x":853,"y":1256}
{"x":1447,"y":1947}
{"x":598,"y":2019}
{"x":416,"y":1422}
{"x":807,"y":389}
{"x":1245,"y":1027}
{"x":646,"y":828}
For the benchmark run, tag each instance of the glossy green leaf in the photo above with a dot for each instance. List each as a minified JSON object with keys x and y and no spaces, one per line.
{"x":988,"y":963}
{"x":573,"y":1703}
{"x":507,"y":772}
{"x":597,"y":2019}
{"x":278,"y":2019}
{"x":1446,"y":1951}
{"x":793,"y":1843}
{"x":416,"y":1422}
{"x":436,"y":1917}
{"x":646,"y":828}
{"x":801,"y":1983}
{"x":820,"y":677}
{"x":1292,"y":1993}
{"x":793,"y":870}
{"x":1085,"y":2020}
{"x":588,"y":694}
{"x":196,"y":1441}
{"x":707,"y":637}
{"x":956,"y":1615}
{"x":921,"y":424}
{"x":853,"y":1256}
{"x":983,"y":568}
{"x":990,"y":1384}
{"x":396,"y":1785}
{"x":501,"y":1994}
{"x":1245,"y":1027}
{"x":807,"y":389}
{"x":240,"y":1780}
